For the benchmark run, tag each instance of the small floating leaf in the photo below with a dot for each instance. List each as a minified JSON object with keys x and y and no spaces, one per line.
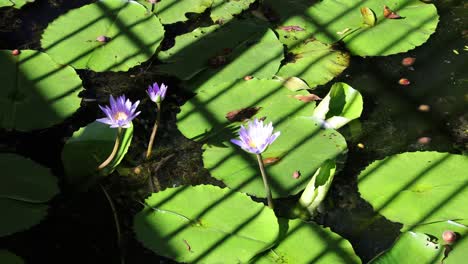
{"x":15,"y":3}
{"x":368,"y":16}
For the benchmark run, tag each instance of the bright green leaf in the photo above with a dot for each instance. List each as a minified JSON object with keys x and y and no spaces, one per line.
{"x":171,"y":11}
{"x":36,"y":92}
{"x":417,"y":188}
{"x":224,"y":10}
{"x":303,"y":243}
{"x":133,"y":36}
{"x":205,"y":224}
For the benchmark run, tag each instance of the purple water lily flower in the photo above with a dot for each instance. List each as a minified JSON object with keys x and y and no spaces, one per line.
{"x":257,"y":137}
{"x":156,"y":93}
{"x":120,"y":113}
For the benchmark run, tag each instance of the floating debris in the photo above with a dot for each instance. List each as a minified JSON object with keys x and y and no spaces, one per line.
{"x":15,"y":52}
{"x":449,"y":236}
{"x":424,"y":108}
{"x":296,"y":174}
{"x":360,"y":145}
{"x":408,"y":61}
{"x":388,"y":13}
{"x":404,"y":81}
{"x":424,"y":140}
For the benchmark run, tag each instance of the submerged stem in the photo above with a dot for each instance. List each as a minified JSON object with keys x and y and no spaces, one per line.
{"x":114,"y":150}
{"x":117,"y":224}
{"x":265,"y":181}
{"x":153,"y":133}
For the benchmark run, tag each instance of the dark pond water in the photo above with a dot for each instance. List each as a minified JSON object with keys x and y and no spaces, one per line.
{"x":80,"y":228}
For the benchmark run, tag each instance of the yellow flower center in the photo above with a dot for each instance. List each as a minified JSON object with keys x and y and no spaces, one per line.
{"x":252,"y":144}
{"x":120,"y":116}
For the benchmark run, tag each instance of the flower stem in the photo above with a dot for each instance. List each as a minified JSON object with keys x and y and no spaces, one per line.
{"x":114,"y":150}
{"x":117,"y":224}
{"x":153,"y":133}
{"x":265,"y":181}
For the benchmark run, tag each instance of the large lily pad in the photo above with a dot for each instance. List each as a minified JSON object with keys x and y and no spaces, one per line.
{"x":88,"y":148}
{"x":224,"y":10}
{"x":302,"y":242}
{"x":417,"y":188}
{"x":205,"y":224}
{"x":410,"y":248}
{"x":315,"y":62}
{"x":332,"y":20}
{"x":25,"y":189}
{"x":171,"y":11}
{"x":36,"y":92}
{"x":206,"y":118}
{"x":131,"y":36}
{"x":14,"y":3}
{"x":235,"y":50}
{"x":206,"y":115}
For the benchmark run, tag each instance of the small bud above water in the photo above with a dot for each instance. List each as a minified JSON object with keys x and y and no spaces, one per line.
{"x":103,"y":39}
{"x":449,"y":236}
{"x":296,"y":174}
{"x":15,"y":52}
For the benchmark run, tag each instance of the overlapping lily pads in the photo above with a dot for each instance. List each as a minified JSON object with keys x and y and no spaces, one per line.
{"x":315,"y":62}
{"x":214,"y":114}
{"x":303,"y":242}
{"x":205,"y":224}
{"x":25,"y":189}
{"x":88,"y":148}
{"x":108,"y":35}
{"x":417,"y":188}
{"x":36,"y":92}
{"x":233,"y":50}
{"x":332,"y":20}
{"x":14,"y":3}
{"x":171,"y":11}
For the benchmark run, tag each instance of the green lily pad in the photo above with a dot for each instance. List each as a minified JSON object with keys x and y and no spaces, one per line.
{"x":205,"y":115}
{"x":340,"y":106}
{"x":235,"y":50}
{"x":410,"y":248}
{"x":171,"y":11}
{"x":131,"y":36}
{"x":332,"y":20}
{"x":417,"y":188}
{"x":206,"y":118}
{"x":205,"y":224}
{"x":88,"y":148}
{"x":14,"y":3}
{"x":25,"y":189}
{"x":6,"y":257}
{"x":224,"y":10}
{"x":36,"y":92}
{"x":308,"y":243}
{"x":315,"y":62}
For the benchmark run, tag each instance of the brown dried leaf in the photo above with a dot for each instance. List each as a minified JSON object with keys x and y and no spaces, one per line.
{"x":306,"y":98}
{"x":388,"y":13}
{"x":242,"y":114}
{"x":270,"y":160}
